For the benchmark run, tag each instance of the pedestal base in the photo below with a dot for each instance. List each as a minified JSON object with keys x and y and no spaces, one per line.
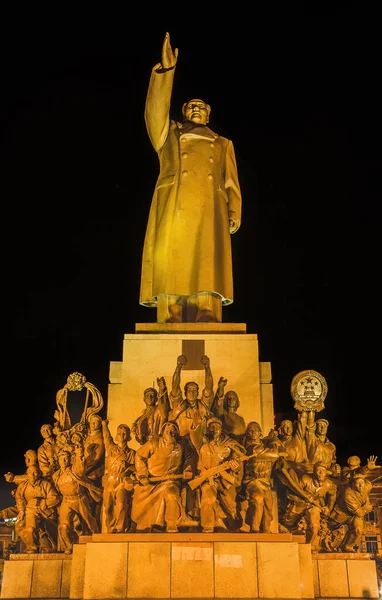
{"x":170,"y":566}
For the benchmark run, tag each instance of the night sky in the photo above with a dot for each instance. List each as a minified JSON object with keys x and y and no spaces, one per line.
{"x":298,"y":94}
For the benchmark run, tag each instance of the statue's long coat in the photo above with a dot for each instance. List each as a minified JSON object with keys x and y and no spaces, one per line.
{"x":187,"y":247}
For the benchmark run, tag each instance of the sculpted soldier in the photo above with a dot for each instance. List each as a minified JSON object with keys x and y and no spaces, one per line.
{"x":36,"y":502}
{"x":76,"y":491}
{"x":155,"y":414}
{"x":354,"y":466}
{"x":225,"y":407}
{"x":117,"y":482}
{"x":161,"y":464}
{"x":190,"y":410}
{"x":94,"y":450}
{"x":320,"y":499}
{"x":187,"y":258}
{"x":292,"y":436}
{"x":218,"y":506}
{"x":47,"y":452}
{"x":30,"y":460}
{"x":350,"y":509}
{"x":257,"y":479}
{"x":319,"y":447}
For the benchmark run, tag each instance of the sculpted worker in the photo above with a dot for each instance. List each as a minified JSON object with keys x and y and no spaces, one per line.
{"x":150,"y":422}
{"x":190,"y":411}
{"x":187,"y":262}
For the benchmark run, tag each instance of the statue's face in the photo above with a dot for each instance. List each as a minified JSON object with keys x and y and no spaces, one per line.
{"x":232,"y":400}
{"x":33,"y":474}
{"x":359,"y":484}
{"x":214,"y":430}
{"x":46,"y":432}
{"x":191,"y":392}
{"x":196,"y":111}
{"x":123,"y":435}
{"x":170,"y":433}
{"x":253,"y":432}
{"x":286,"y":428}
{"x":94,"y":424}
{"x":30,"y":458}
{"x":64,"y":460}
{"x":150,"y":398}
{"x":321,"y":427}
{"x":320,"y":473}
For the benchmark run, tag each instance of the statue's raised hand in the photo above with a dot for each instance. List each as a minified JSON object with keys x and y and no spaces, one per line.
{"x":169,"y":57}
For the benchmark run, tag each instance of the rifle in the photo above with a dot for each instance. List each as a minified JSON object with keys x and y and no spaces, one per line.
{"x":151,"y":480}
{"x":269,"y":457}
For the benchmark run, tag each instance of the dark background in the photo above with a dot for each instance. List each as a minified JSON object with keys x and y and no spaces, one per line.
{"x":297,"y":91}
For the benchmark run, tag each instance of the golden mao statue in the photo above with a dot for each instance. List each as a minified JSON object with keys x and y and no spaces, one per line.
{"x":187,"y":259}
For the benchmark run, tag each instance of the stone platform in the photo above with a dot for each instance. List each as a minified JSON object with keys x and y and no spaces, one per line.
{"x":190,"y":565}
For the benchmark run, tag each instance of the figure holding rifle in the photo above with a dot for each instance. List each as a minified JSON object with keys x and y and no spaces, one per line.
{"x":218,"y":507}
{"x":161,"y":464}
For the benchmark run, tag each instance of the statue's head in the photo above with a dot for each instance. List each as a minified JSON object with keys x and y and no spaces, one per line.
{"x":150,"y":396}
{"x":33,"y":473}
{"x":286,"y":427}
{"x":30,"y":458}
{"x":95,"y":422}
{"x":214,"y":428}
{"x":64,"y":459}
{"x":123,"y":434}
{"x":46,"y":431}
{"x":253,"y":433}
{"x":170,"y":431}
{"x":322,"y":426}
{"x":358,"y":481}
{"x":197,"y":111}
{"x":320,"y":470}
{"x":231,"y":401}
{"x":191,"y":391}
{"x":354,"y":462}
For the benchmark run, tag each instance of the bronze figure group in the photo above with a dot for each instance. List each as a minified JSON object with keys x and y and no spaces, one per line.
{"x":198,"y":467}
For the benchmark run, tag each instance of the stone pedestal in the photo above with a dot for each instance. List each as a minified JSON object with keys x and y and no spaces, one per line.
{"x":37,"y":576}
{"x":173,"y":566}
{"x":152,"y":352}
{"x":193,"y":566}
{"x":345,"y":575}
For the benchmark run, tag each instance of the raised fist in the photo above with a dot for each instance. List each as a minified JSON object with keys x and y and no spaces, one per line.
{"x":205,"y":361}
{"x":182,"y":360}
{"x":161,"y":383}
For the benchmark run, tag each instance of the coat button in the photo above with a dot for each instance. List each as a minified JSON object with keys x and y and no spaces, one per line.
{"x":184,"y":154}
{"x":209,"y":176}
{"x":184,"y":173}
{"x":211,"y":159}
{"x":212,"y":145}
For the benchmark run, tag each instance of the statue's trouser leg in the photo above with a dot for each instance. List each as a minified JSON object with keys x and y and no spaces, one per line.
{"x":207,"y":508}
{"x":354,"y":534}
{"x":267,"y":512}
{"x":122,"y":511}
{"x":108,"y":509}
{"x":83,"y":509}
{"x":172,"y":505}
{"x":256,"y":505}
{"x":65,"y":530}
{"x":28,"y":533}
{"x":50,"y":526}
{"x":313,"y":519}
{"x":228,"y":502}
